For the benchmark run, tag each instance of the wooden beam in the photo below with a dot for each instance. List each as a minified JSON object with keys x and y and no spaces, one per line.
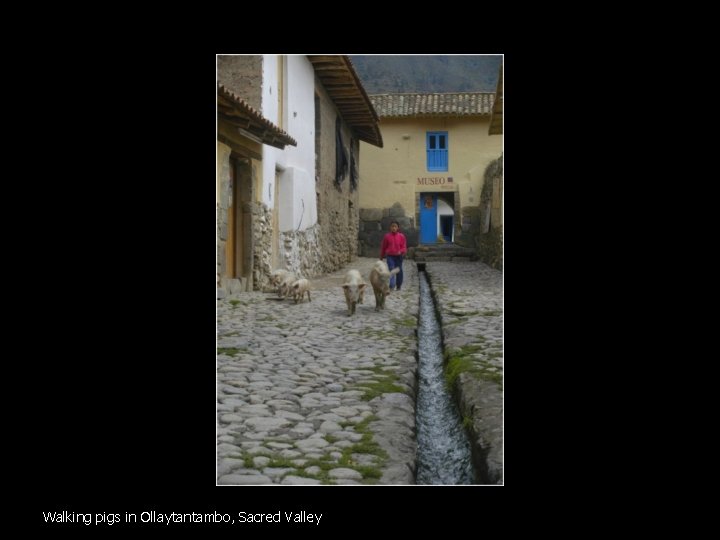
{"x":261,"y":140}
{"x":236,"y":121}
{"x":332,"y":76}
{"x":334,"y":67}
{"x":236,"y":147}
{"x":332,"y":59}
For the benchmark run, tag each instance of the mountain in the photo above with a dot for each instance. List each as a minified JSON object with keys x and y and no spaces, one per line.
{"x":390,"y":74}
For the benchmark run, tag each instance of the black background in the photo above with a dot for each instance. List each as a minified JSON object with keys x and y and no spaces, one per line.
{"x":118,"y":379}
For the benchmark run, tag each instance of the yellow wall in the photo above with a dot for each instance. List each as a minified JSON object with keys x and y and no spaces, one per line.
{"x":390,"y":174}
{"x":242,"y":146}
{"x":240,"y":234}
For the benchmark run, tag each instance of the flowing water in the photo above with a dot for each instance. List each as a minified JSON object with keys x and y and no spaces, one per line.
{"x":443,"y":446}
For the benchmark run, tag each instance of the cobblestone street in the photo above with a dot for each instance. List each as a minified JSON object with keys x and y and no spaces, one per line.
{"x":310,"y":395}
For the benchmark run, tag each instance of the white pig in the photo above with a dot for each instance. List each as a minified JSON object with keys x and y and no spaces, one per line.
{"x":285,"y":287}
{"x":276,"y":276}
{"x":354,"y":288}
{"x":380,"y":281}
{"x":276,"y":279}
{"x":299,"y":288}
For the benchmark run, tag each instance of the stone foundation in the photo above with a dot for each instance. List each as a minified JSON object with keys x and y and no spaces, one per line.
{"x":262,"y":245}
{"x":308,"y":253}
{"x":470,"y":226}
{"x":375,"y":223}
{"x":313,"y":252}
{"x":487,"y":228}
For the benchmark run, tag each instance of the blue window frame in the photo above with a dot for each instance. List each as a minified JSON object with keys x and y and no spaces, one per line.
{"x":437,"y":150}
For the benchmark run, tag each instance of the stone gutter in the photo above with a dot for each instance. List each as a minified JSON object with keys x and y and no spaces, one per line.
{"x":479,"y":400}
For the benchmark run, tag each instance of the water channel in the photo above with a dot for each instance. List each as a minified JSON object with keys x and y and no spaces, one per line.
{"x":444,"y":455}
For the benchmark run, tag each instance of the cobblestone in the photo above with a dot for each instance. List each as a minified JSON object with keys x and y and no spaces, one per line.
{"x":469,"y":298}
{"x":294,"y":380}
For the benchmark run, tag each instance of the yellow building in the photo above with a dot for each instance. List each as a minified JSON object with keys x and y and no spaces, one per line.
{"x":429,"y":174}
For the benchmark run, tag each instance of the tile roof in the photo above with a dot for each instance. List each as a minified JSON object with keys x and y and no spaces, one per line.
{"x":446,"y":104}
{"x":236,"y":111}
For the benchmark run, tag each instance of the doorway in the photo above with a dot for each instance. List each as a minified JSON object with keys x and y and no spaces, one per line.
{"x":238,"y":248}
{"x":446,"y":228}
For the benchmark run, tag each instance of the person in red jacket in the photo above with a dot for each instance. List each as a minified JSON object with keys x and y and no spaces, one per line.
{"x":394,"y":248}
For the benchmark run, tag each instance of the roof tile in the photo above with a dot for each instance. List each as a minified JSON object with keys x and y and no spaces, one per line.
{"x":432,"y":104}
{"x":270,"y":133}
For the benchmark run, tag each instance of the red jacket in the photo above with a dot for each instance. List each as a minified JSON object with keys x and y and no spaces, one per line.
{"x":393,"y":244}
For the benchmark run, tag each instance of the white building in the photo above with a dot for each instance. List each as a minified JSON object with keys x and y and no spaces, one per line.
{"x":290,"y":206}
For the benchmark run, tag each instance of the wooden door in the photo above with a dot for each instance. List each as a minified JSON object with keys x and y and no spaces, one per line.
{"x":230,"y":244}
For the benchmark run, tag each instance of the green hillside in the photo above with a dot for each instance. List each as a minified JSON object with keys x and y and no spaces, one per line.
{"x":389,"y":74}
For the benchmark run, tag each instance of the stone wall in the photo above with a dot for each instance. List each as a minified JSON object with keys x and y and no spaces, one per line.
{"x":221,"y":210}
{"x":332,"y":242}
{"x":487,"y":229}
{"x":242,"y":75}
{"x":262,"y":245}
{"x":375,"y":223}
{"x":300,"y":251}
{"x":221,"y":225}
{"x":470,"y":225}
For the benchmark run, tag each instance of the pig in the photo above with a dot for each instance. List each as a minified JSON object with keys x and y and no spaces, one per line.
{"x":354,"y":288}
{"x":380,"y":281}
{"x":299,"y":288}
{"x":285,"y":286}
{"x":277,"y":277}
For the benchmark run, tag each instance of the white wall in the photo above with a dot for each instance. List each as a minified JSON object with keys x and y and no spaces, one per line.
{"x":270,"y":111}
{"x":297,"y":180}
{"x":294,"y":210}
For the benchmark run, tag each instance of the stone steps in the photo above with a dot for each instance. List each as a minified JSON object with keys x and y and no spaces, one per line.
{"x":444,"y":252}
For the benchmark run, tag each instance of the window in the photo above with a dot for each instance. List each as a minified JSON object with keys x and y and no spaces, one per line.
{"x":341,"y":157}
{"x":353,"y":166}
{"x":437,"y":151}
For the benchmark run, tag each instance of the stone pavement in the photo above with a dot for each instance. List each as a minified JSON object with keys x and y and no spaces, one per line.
{"x":469,"y":299}
{"x":308,"y":395}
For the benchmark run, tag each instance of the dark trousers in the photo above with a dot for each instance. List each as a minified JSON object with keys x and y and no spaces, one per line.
{"x":392,"y":262}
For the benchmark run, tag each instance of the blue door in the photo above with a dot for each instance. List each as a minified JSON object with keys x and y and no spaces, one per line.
{"x":428,"y":218}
